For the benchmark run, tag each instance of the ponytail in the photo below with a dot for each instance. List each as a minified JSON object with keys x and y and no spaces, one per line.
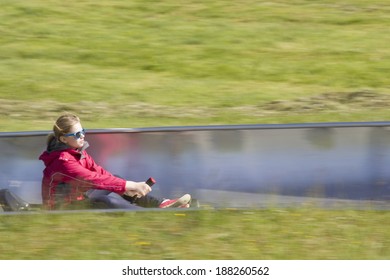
{"x":50,"y":138}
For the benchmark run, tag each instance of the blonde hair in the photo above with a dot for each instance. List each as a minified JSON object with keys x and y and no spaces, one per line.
{"x":62,"y":126}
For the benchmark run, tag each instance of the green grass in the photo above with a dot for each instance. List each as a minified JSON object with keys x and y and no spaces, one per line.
{"x":216,"y":56}
{"x":223,"y":234}
{"x":120,"y":63}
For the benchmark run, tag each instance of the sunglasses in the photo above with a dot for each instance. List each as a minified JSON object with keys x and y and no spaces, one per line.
{"x":76,"y":135}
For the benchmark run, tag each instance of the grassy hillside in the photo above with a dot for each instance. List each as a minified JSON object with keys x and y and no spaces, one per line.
{"x":140,"y":63}
{"x":225,"y":234}
{"x":135,"y":63}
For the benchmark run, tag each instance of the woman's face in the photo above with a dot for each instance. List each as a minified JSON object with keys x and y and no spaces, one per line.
{"x":75,"y":137}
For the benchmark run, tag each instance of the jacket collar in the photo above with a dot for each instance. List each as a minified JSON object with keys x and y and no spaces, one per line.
{"x":56,"y":145}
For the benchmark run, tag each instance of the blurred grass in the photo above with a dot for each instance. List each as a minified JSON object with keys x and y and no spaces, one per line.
{"x":137,"y":63}
{"x":224,"y":234}
{"x":216,"y":56}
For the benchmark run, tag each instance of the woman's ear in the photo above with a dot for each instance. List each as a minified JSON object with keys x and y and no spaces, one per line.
{"x":62,"y":139}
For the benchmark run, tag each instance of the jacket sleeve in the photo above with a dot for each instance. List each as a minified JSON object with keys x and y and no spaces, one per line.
{"x":90,"y":177}
{"x":93,"y":166}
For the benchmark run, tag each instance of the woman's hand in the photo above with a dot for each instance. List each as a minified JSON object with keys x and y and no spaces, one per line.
{"x":137,"y":189}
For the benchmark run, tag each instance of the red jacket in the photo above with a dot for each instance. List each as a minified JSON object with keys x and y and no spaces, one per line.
{"x":77,"y":170}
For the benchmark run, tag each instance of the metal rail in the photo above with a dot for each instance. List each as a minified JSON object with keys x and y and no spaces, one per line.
{"x":228,"y":165}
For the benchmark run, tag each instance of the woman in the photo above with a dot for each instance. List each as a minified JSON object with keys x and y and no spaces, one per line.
{"x":72,"y":178}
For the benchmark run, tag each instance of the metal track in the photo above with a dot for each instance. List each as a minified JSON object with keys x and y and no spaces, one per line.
{"x":232,"y":165}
